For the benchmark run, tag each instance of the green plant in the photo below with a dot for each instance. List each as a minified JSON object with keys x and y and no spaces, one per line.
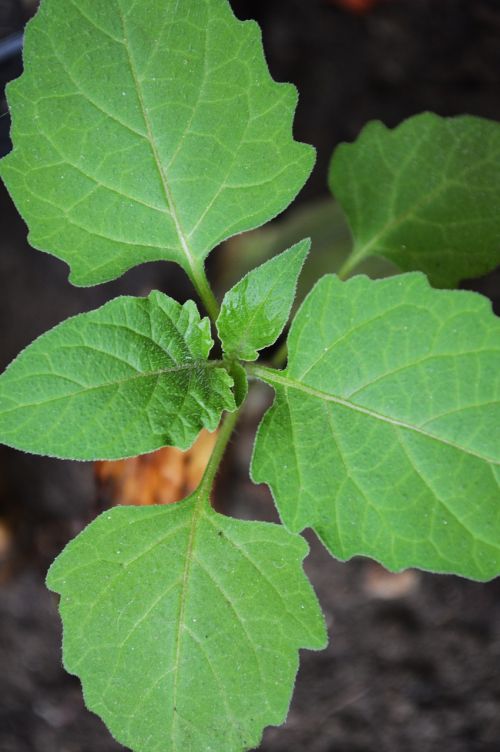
{"x":152,"y":130}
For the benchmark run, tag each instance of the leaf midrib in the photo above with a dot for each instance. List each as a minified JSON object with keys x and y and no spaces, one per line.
{"x":394,"y":222}
{"x":272,"y":377}
{"x":163,"y":178}
{"x":146,"y":374}
{"x":197,"y":512}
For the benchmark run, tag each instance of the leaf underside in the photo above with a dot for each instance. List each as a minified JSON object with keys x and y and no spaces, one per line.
{"x":125,"y":379}
{"x":384,"y":435}
{"x":147,"y":131}
{"x":184,"y":626}
{"x":424,"y":195}
{"x":255,"y":311}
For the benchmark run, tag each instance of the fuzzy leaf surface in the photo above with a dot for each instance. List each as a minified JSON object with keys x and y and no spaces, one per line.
{"x":255,"y":311}
{"x":145,"y":131}
{"x":384,"y":435}
{"x":184,"y":626}
{"x":125,"y":379}
{"x":424,"y":195}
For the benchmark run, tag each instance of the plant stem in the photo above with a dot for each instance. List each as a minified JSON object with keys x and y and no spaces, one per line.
{"x":349,"y":264}
{"x":279,"y":358}
{"x":202,"y":286}
{"x":223,"y":437}
{"x":260,"y":372}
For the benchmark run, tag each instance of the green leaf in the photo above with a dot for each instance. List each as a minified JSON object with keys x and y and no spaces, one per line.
{"x":147,"y":130}
{"x":255,"y":311}
{"x":424,"y":195}
{"x":184,"y":626}
{"x":122,"y":380}
{"x":384,"y":436}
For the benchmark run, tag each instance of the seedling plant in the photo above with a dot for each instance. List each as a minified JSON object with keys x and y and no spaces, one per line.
{"x":152,"y":130}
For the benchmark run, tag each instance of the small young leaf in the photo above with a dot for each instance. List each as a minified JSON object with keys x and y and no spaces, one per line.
{"x":184,"y":626}
{"x":424,"y":195}
{"x":384,"y":436}
{"x":147,"y":130}
{"x":255,"y":311}
{"x":125,"y":379}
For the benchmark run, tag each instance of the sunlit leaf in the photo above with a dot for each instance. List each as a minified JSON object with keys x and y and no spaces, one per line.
{"x":146,"y":131}
{"x":385,"y":433}
{"x":184,"y":626}
{"x":255,"y":311}
{"x":125,"y":379}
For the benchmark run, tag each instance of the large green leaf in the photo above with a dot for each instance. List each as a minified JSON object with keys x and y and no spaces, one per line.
{"x":184,"y":626}
{"x":385,"y":433}
{"x":122,"y":380}
{"x":426,"y":195}
{"x":147,"y":130}
{"x":255,"y":311}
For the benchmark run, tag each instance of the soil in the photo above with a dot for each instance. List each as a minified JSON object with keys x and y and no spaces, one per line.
{"x":413,"y":661}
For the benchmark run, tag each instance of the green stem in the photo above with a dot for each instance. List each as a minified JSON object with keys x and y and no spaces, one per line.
{"x":202,"y":286}
{"x":222,"y":440}
{"x":264,"y":373}
{"x":349,"y":265}
{"x":279,"y":358}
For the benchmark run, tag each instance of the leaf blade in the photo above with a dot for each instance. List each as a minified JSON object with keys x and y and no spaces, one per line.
{"x":385,"y":425}
{"x":180,"y":134}
{"x":197,"y":646}
{"x":423,"y":195}
{"x":122,"y":380}
{"x":255,"y":311}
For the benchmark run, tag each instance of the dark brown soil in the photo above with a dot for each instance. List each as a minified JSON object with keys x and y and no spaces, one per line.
{"x":417,"y":671}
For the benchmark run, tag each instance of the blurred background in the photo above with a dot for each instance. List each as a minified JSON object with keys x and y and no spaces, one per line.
{"x":413,"y":659}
